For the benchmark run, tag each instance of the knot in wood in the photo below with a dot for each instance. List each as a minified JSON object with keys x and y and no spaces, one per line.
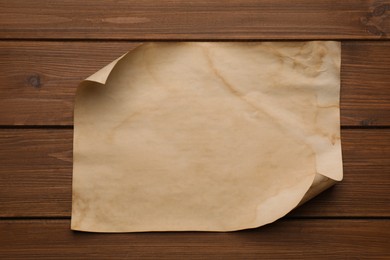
{"x":34,"y":80}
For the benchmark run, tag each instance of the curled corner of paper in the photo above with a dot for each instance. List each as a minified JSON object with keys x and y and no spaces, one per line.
{"x":184,"y":135}
{"x":320,"y":184}
{"x":102,"y":75}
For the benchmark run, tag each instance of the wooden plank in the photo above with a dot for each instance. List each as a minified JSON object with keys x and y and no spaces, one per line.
{"x":365,"y":81}
{"x":202,"y":19}
{"x":36,"y":169}
{"x":39,"y":80}
{"x":35,"y":172}
{"x":286,"y":239}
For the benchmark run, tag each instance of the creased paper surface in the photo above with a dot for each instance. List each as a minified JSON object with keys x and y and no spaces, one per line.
{"x":205,"y":136}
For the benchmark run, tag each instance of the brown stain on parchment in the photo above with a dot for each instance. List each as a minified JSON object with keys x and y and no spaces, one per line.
{"x":333,"y":138}
{"x":229,"y":87}
{"x":306,"y":61}
{"x":128,"y":119}
{"x":88,"y":207}
{"x":80,"y":205}
{"x":313,"y":70}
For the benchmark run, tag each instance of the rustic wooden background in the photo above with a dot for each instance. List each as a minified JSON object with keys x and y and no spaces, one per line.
{"x":48,"y":47}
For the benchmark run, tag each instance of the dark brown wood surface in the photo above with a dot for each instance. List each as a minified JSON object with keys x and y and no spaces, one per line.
{"x":200,"y":19}
{"x":48,"y":47}
{"x":285,"y":239}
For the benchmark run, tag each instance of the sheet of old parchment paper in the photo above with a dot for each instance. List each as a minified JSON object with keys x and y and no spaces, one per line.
{"x":205,"y":136}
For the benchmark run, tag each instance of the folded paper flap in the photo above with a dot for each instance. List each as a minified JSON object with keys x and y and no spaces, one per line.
{"x":185,"y":133}
{"x":102,"y":75}
{"x":320,"y":183}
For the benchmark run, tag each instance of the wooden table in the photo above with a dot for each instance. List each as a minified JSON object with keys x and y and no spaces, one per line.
{"x":48,"y":47}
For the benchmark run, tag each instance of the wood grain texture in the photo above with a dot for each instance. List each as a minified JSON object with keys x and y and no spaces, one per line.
{"x":285,"y":239}
{"x":202,"y":19}
{"x":38,"y":80}
{"x":365,"y":83}
{"x":36,"y":173}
